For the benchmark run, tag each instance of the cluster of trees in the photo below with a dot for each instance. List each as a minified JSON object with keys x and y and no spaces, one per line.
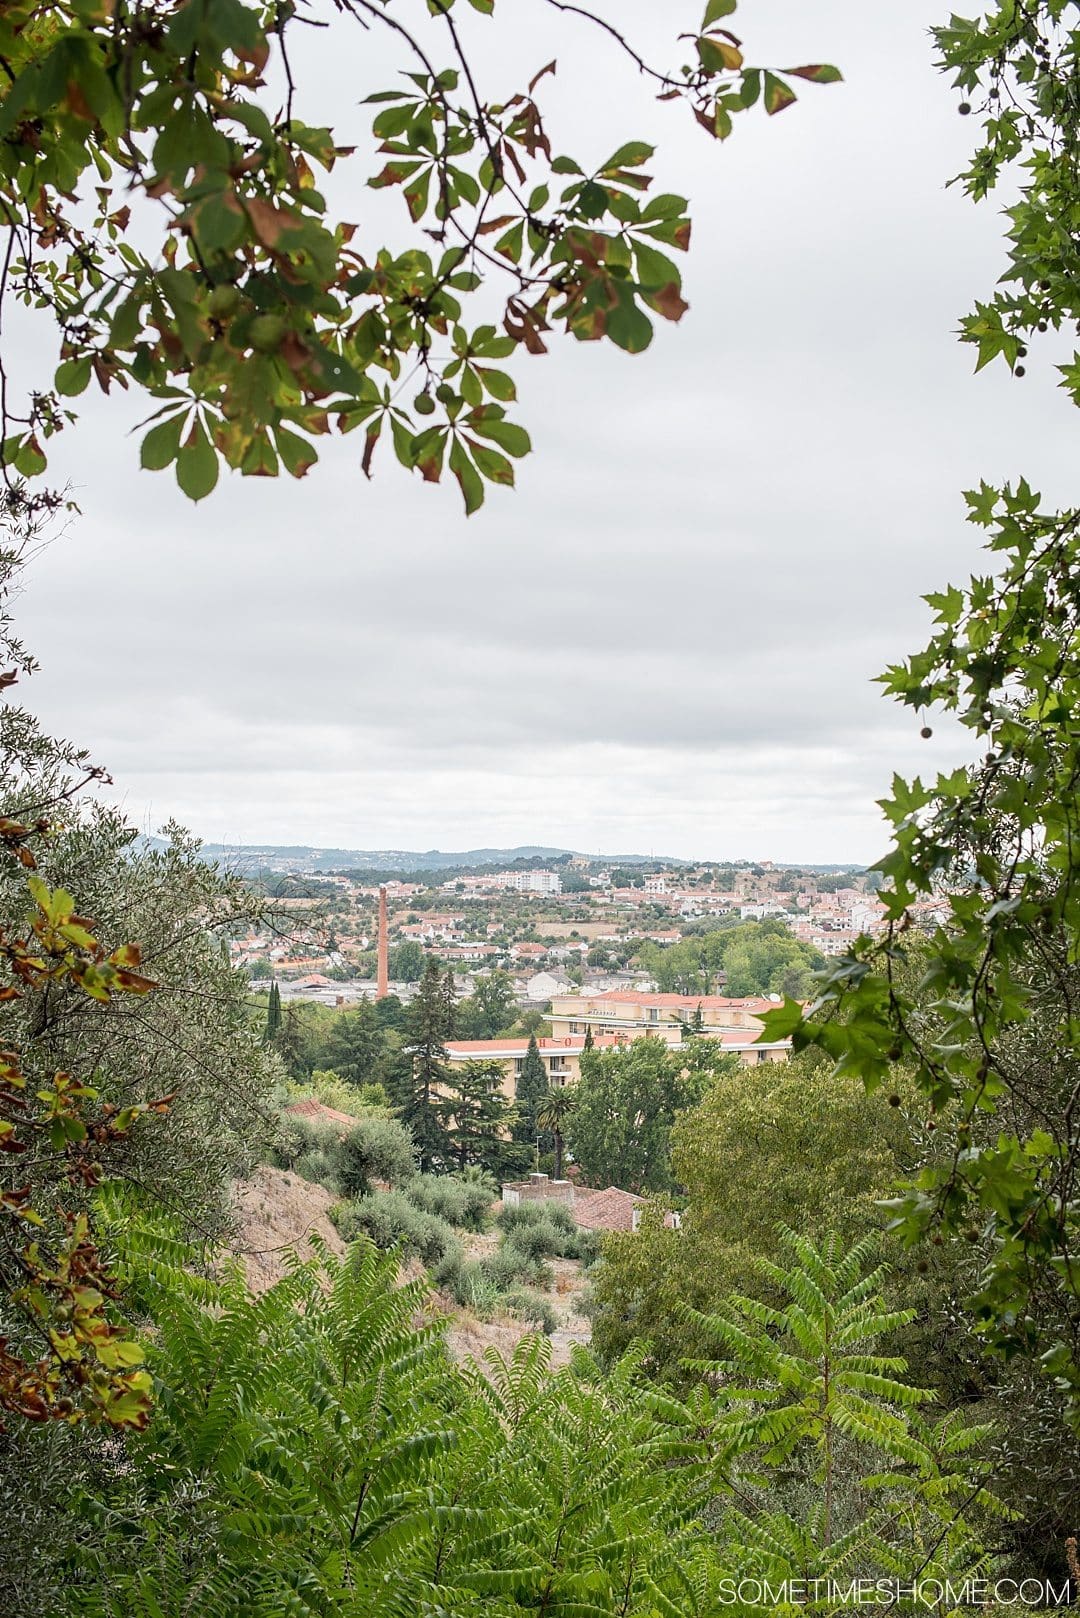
{"x":457,"y":1113}
{"x":626,"y":1103}
{"x":737,"y":958}
{"x":363,"y":1044}
{"x":797,"y":1144}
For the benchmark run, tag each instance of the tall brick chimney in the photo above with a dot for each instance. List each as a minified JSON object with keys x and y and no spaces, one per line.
{"x":382,"y":987}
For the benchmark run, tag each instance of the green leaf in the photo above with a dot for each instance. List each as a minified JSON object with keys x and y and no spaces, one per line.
{"x":510,"y":242}
{"x":715,"y":10}
{"x":416,"y":194}
{"x":197,"y":464}
{"x":654,"y":269}
{"x":513,"y":439}
{"x":495,"y":467}
{"x":297,"y":455}
{"x":497,"y":383}
{"x":627,"y":325}
{"x":817,"y":73}
{"x":630,"y":156}
{"x":162,"y":443}
{"x":72,"y":376}
{"x":469,"y":479}
{"x":751,"y":86}
{"x":30,"y":458}
{"x":402,"y":438}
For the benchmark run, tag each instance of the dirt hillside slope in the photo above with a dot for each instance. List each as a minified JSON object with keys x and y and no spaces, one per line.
{"x":277,"y":1212}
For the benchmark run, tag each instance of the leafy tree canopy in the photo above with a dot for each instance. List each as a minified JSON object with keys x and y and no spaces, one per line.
{"x":626,"y":1103}
{"x":768,"y":1142}
{"x":747,"y":958}
{"x":162,"y":184}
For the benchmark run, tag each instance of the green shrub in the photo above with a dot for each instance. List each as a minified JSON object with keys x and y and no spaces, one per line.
{"x":447,"y":1273}
{"x":390,"y":1220}
{"x":460,"y":1202}
{"x":538,"y":1239}
{"x":318,"y":1167}
{"x":375,"y":1149}
{"x":588,"y":1245}
{"x":532,"y":1307}
{"x":510,"y":1264}
{"x":515,"y":1216}
{"x":475,"y":1289}
{"x":298,"y":1137}
{"x":548,"y":1230}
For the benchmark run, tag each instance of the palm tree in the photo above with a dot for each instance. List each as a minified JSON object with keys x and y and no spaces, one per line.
{"x":551,"y":1114}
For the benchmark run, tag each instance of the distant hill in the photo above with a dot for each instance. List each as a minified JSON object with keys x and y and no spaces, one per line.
{"x":303,"y":858}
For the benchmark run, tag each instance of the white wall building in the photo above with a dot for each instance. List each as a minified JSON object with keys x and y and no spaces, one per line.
{"x":529,"y":881}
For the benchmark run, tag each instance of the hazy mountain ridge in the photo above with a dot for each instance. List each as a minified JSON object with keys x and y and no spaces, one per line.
{"x":304,"y":857}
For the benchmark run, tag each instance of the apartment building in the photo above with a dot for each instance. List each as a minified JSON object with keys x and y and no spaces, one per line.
{"x":561,"y":1057}
{"x":632,"y":1013}
{"x":528,"y":881}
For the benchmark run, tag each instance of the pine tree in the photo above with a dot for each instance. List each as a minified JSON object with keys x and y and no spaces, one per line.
{"x":475,"y":1115}
{"x":530,"y":1091}
{"x":589,"y":1040}
{"x":450,"y":1005}
{"x":273,"y":1016}
{"x":355,"y":1047}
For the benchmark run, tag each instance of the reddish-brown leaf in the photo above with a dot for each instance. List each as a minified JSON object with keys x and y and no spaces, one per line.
{"x":669,"y":302}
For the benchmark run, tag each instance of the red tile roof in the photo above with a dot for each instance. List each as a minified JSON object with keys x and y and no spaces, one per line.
{"x":606,"y":1210}
{"x":310,"y":1108}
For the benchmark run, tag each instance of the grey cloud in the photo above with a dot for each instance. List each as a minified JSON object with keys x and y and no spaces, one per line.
{"x":665,"y":638}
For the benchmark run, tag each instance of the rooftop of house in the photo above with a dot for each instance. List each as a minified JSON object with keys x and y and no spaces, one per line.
{"x":310,"y":1108}
{"x":610,"y":1210}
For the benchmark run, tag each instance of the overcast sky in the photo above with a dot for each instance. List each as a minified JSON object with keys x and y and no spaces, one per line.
{"x":665,"y":639}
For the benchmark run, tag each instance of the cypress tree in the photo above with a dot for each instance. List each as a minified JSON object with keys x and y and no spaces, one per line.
{"x":450,"y":1011}
{"x":424,"y":1075}
{"x":529,"y":1093}
{"x":273,"y":1016}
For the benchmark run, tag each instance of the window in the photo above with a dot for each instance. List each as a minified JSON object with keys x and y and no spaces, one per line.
{"x":519,"y":1063}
